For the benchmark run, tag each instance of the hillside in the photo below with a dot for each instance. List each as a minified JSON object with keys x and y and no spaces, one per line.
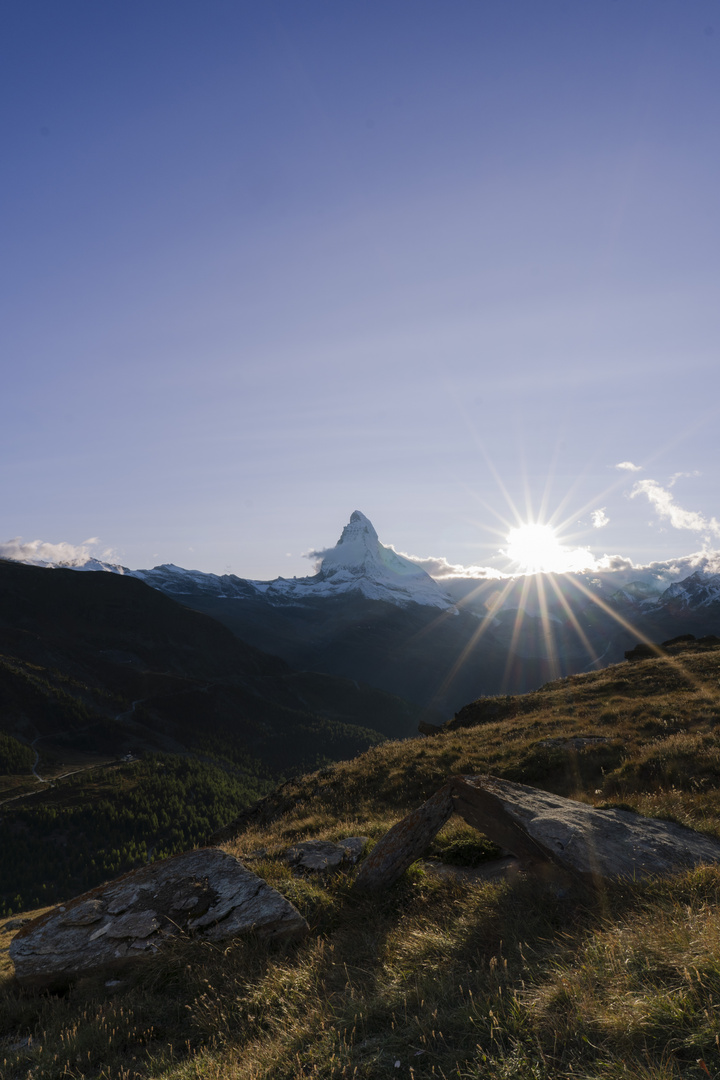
{"x":107,"y":688}
{"x":99,"y":663}
{"x":448,"y":974}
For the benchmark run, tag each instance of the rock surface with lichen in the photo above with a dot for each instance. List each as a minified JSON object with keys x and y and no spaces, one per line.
{"x":204,"y":893}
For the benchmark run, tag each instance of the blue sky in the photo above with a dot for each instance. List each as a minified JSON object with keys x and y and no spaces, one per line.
{"x":265,"y":264}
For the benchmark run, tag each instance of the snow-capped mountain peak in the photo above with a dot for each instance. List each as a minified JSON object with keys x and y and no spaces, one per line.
{"x":358,"y":527}
{"x":699,"y":590}
{"x":359,"y":563}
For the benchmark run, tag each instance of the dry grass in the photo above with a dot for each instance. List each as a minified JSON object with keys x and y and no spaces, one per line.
{"x":443,"y":977}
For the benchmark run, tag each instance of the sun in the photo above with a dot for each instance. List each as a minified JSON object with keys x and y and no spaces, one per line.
{"x":536,"y":549}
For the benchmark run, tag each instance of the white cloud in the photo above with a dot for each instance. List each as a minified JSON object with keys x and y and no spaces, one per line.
{"x":438,"y":567}
{"x":666,"y":507}
{"x":628,"y":466}
{"x":616,"y":564}
{"x":600,"y":518}
{"x":662,"y":572}
{"x":679,"y":475}
{"x":63,"y":554}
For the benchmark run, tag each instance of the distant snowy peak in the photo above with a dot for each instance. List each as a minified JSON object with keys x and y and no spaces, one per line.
{"x":89,"y":564}
{"x":176,"y":581}
{"x":359,"y":563}
{"x":698,"y":590}
{"x":359,"y":528}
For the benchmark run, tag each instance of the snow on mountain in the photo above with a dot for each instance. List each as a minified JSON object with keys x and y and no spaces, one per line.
{"x":89,"y":563}
{"x":698,"y":590}
{"x":637,"y":594}
{"x":176,"y":581}
{"x":359,"y":563}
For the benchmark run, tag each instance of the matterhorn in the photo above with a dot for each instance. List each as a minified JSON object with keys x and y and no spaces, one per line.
{"x":359,"y":563}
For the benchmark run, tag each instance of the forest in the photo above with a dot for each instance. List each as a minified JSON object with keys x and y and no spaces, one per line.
{"x":98,"y":824}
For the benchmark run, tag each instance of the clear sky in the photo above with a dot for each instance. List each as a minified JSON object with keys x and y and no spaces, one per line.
{"x":263,"y":264}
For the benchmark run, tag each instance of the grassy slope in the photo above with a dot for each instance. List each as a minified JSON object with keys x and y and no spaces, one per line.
{"x":444,"y":976}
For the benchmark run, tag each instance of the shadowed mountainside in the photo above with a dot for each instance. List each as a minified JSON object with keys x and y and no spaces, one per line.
{"x":110,"y":664}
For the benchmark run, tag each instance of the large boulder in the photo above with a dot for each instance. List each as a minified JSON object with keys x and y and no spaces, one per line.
{"x":538,"y":826}
{"x":542,"y":830}
{"x":204,"y":893}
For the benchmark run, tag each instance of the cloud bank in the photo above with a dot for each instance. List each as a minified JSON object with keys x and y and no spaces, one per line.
{"x":615,"y":567}
{"x":439,"y":568}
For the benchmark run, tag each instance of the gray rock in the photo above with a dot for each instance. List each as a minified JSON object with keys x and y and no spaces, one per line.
{"x":543,"y":831}
{"x":323,"y":856}
{"x":204,"y":893}
{"x":404,"y":843}
{"x":354,"y":847}
{"x":429,"y":729}
{"x":15,"y":924}
{"x":577,"y":837}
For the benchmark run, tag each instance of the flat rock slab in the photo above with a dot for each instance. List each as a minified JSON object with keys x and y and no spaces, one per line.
{"x":542,"y":831}
{"x":577,"y":837}
{"x":204,"y":893}
{"x":325,"y":856}
{"x":405,"y":842}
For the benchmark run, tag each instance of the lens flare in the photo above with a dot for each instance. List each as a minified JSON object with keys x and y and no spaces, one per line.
{"x":536,"y":549}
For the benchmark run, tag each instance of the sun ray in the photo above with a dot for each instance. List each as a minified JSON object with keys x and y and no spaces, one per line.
{"x":549,"y":637}
{"x":517,"y":626}
{"x":470,"y":645}
{"x":573,"y":619}
{"x":543,"y":511}
{"x":709,"y":690}
{"x":500,"y":483}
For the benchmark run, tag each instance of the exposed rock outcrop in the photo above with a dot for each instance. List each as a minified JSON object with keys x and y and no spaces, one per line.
{"x":405,"y":842}
{"x":324,"y":856}
{"x":576,"y":836}
{"x":542,"y":830}
{"x":204,"y":893}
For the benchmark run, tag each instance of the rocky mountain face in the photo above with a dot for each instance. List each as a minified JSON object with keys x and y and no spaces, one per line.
{"x":359,"y":566}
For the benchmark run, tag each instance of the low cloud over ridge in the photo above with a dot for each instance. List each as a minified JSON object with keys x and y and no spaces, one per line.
{"x":43,"y":553}
{"x":663,"y":572}
{"x":438,"y":567}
